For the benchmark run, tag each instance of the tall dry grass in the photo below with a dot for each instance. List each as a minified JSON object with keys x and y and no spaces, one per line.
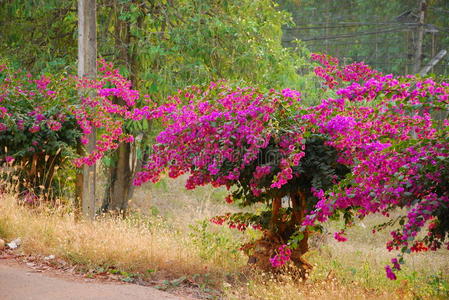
{"x":136,"y":244}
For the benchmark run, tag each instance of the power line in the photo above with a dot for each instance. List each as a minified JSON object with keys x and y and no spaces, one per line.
{"x":380,"y":40}
{"x":439,"y":9}
{"x":344,"y":36}
{"x":292,"y":30}
{"x":357,"y":41}
{"x":347,"y":25}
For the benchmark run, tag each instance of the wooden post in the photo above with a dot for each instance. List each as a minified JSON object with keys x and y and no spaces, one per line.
{"x":420,"y":37}
{"x":433,"y":62}
{"x":87,"y":67}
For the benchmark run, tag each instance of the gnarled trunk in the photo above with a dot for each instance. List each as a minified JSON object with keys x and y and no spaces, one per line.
{"x":279,"y":234}
{"x":298,"y":213}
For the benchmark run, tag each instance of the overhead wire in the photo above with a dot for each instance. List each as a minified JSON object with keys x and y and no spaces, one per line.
{"x":344,"y":36}
{"x":346,"y":25}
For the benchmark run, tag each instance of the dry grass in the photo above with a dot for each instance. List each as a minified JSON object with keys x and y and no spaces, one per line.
{"x":170,"y":199}
{"x":168,"y":237}
{"x":347,"y":274}
{"x":354,"y":270}
{"x":269,"y":287}
{"x":134,"y":245}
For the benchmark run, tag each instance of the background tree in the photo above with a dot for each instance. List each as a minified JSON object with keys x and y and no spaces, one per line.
{"x":381,"y":33}
{"x":39,"y":36}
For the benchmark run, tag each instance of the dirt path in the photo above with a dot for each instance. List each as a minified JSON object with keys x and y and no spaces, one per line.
{"x":21,"y":283}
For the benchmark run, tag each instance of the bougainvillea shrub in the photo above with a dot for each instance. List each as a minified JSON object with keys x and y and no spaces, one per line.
{"x":37,"y":131}
{"x":393,"y":133}
{"x":372,"y":148}
{"x":44,"y":120}
{"x":253,"y":142}
{"x":34,"y":114}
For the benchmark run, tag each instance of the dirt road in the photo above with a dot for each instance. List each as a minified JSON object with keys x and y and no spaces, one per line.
{"x":20,"y":283}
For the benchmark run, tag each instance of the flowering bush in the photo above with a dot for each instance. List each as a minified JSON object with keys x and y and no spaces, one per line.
{"x":43,"y":121}
{"x":377,"y":133}
{"x":251,"y":141}
{"x":34,"y":114}
{"x":37,"y":132}
{"x":392,"y":133}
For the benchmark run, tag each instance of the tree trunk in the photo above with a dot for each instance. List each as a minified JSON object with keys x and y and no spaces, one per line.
{"x":299,"y":207}
{"x":279,"y":233}
{"x":119,"y":182}
{"x":119,"y":187}
{"x":420,"y":37}
{"x":276,"y":206}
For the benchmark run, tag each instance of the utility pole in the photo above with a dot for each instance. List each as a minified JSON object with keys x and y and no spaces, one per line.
{"x":87,"y":67}
{"x":420,"y":37}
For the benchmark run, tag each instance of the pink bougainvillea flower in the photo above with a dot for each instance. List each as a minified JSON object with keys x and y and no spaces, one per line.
{"x":390,"y":273}
{"x":54,"y":125}
{"x":9,"y":159}
{"x":35,"y":128}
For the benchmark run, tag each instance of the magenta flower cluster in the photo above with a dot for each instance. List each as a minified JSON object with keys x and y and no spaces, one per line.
{"x":397,"y":151}
{"x":106,"y":109}
{"x":214,"y":134}
{"x":283,"y":256}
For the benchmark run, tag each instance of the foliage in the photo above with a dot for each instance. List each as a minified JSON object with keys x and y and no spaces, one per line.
{"x":214,"y":245}
{"x":160,"y":46}
{"x":43,"y":121}
{"x":39,"y":35}
{"x":171,"y":45}
{"x":35,"y":114}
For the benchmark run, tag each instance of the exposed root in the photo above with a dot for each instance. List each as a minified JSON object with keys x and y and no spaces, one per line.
{"x":260,"y":252}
